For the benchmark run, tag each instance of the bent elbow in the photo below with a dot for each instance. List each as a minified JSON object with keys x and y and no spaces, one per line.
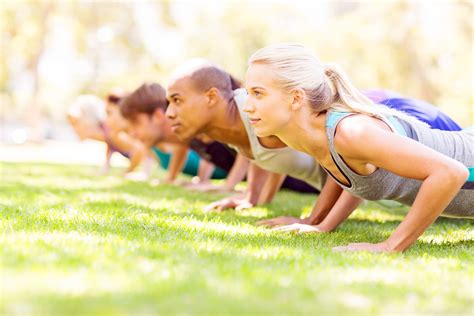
{"x":462,"y":173}
{"x":457,"y":174}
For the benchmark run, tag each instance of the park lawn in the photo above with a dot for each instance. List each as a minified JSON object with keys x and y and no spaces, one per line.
{"x":74,"y":243}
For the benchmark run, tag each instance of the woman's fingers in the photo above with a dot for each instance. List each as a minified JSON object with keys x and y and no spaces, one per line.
{"x":380,"y":247}
{"x":297,"y":227}
{"x":287,"y":228}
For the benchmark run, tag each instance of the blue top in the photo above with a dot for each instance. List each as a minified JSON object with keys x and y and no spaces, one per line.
{"x":424,"y":112}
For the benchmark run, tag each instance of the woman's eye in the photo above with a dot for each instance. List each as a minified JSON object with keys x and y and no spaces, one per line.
{"x":256,"y":93}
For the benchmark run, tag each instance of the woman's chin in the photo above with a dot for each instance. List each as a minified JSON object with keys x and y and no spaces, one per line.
{"x":262,"y":133}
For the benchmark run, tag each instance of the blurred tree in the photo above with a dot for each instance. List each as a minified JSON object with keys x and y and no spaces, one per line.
{"x":52,"y":51}
{"x":26,"y":30}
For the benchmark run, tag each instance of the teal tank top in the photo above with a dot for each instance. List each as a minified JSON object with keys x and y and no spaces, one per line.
{"x":191,"y":166}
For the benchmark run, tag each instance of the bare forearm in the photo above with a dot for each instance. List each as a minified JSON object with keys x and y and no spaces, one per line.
{"x":271,"y":187}
{"x":148,"y":162}
{"x":205,"y":170}
{"x":237,"y":172}
{"x":178,"y":159}
{"x":108,"y":157}
{"x":342,"y":209}
{"x":328,"y":197}
{"x":434,"y":196}
{"x":256,"y":177}
{"x":136,"y":157}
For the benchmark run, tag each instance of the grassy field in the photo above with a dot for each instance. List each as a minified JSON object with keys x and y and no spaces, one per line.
{"x":74,"y":243}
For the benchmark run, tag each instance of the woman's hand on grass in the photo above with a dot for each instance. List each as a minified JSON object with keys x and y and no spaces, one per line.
{"x":283,"y":221}
{"x":298,"y":228}
{"x":379,"y":247}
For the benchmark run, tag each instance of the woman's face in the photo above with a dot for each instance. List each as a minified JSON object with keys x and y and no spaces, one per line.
{"x":268,"y":106}
{"x":79,"y":126}
{"x":114,"y":119}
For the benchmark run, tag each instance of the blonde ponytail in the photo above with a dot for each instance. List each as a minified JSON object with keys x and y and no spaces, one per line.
{"x":326,"y":85}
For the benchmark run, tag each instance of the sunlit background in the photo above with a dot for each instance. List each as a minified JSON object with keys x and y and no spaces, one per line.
{"x":75,"y":242}
{"x":51,"y":51}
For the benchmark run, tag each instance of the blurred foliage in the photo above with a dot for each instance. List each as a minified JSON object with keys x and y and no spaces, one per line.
{"x":54,"y":50}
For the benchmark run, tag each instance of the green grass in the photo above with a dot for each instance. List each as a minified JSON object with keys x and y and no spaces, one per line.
{"x":73,"y":243}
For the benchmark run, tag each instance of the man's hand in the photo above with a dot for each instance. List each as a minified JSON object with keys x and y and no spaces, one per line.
{"x":238,"y":203}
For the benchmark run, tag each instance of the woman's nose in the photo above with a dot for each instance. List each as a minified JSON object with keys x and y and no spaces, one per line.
{"x":248,"y":107}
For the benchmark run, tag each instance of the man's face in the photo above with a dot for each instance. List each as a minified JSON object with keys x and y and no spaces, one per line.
{"x":148,"y":129}
{"x":188,"y":110}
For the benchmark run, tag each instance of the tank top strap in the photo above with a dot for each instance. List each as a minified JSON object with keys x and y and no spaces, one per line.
{"x":334,"y":117}
{"x":332,"y":120}
{"x":395,"y":125}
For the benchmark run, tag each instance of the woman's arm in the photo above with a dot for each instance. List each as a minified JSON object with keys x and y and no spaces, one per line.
{"x":108,"y":157}
{"x":362,"y":140}
{"x":331,"y":209}
{"x":125,"y":143}
{"x":326,"y":200}
{"x":346,"y":204}
{"x":328,"y":197}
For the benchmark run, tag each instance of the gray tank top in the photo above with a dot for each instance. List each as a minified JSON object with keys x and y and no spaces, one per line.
{"x":280,"y":160}
{"x":385,"y":185}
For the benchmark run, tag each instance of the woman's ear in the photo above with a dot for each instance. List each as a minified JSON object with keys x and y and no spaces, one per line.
{"x":297,"y":98}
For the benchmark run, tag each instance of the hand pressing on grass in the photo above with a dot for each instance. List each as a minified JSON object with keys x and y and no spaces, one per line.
{"x":237,"y":202}
{"x":299,"y":228}
{"x":283,"y":221}
{"x":379,"y":247}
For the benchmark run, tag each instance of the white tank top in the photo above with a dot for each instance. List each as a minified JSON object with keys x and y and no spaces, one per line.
{"x":280,"y":160}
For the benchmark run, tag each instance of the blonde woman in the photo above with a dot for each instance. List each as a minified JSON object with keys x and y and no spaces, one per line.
{"x":369,"y":151}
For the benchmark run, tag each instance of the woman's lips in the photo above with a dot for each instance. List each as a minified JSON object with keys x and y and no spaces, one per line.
{"x":254,"y":121}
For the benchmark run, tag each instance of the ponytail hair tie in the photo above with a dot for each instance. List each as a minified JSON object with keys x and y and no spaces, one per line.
{"x":329,"y":75}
